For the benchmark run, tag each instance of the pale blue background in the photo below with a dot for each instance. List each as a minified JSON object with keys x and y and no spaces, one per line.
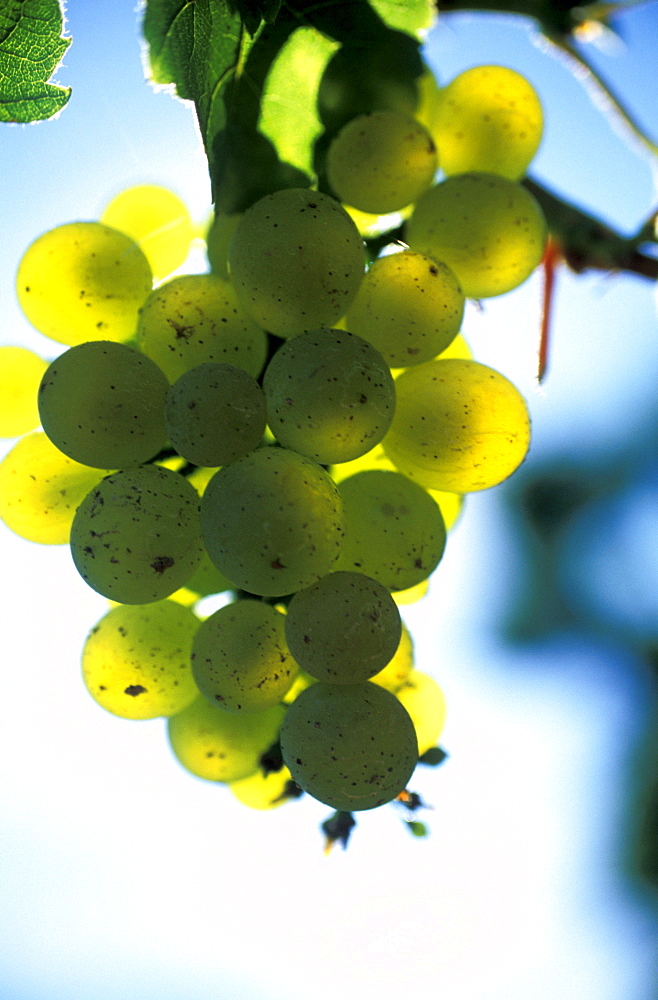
{"x":123,"y":878}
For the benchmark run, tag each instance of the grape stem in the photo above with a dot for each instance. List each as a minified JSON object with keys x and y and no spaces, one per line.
{"x":587,"y":243}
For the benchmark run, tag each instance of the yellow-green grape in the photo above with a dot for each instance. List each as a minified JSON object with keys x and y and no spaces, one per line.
{"x":272,"y":522}
{"x":352,"y":746}
{"x":394,"y":530}
{"x":330,"y":395}
{"x":488,"y":118}
{"x":41,"y":489}
{"x":410,"y":595}
{"x":450,"y":503}
{"x":20,"y":374}
{"x":459,"y":426}
{"x":398,"y":668}
{"x":102,"y":404}
{"x":381,"y":162}
{"x":489,"y":230}
{"x":215,"y":413}
{"x":222,"y":746}
{"x":263,"y":791}
{"x":136,"y":660}
{"x":83,"y":281}
{"x":194,"y":319}
{"x":425,"y":702}
{"x":135,"y":538}
{"x":218,"y":239}
{"x":296,"y":260}
{"x":343,"y":629}
{"x":240,"y":659}
{"x":409,"y":306}
{"x":300,"y":683}
{"x":157,"y":220}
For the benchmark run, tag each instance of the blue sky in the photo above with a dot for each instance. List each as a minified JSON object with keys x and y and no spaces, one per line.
{"x":124,"y":877}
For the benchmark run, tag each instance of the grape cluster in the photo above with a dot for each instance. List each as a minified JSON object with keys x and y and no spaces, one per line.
{"x":295,"y":428}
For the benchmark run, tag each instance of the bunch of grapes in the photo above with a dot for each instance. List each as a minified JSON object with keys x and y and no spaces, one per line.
{"x":294,"y":429}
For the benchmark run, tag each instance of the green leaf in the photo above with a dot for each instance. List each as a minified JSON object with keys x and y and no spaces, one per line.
{"x":413,"y":16}
{"x":253,"y":12}
{"x":199,"y":46}
{"x":290,"y":96}
{"x":31,"y":49}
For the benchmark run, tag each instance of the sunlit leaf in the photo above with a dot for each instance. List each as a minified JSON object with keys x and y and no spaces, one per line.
{"x":31,"y":49}
{"x":414,"y":16}
{"x":290,"y":95}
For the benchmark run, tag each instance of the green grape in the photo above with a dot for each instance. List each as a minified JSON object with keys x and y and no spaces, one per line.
{"x":352,"y":746}
{"x":296,"y":260}
{"x":344,"y":628}
{"x":136,"y":660}
{"x":240,"y":659}
{"x":218,"y":239}
{"x":425,"y":702}
{"x":222,"y":746}
{"x":215,"y":413}
{"x":102,"y":404}
{"x":135,"y":538}
{"x":83,"y":281}
{"x":381,"y":162}
{"x":394,"y":531}
{"x":330,"y":395}
{"x":20,"y":374}
{"x":157,"y":220}
{"x":450,"y":504}
{"x":263,"y":791}
{"x":398,"y":668}
{"x":409,"y":306}
{"x":41,"y":489}
{"x":489,"y":118}
{"x":459,"y":425}
{"x":489,"y":230}
{"x":194,"y":319}
{"x":272,"y":522}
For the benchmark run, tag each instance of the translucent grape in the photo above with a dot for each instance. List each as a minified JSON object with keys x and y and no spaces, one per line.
{"x":222,"y":746}
{"x":41,"y":489}
{"x":83,"y":281}
{"x":489,"y":118}
{"x":330,"y":395}
{"x":489,"y":230}
{"x":240,"y":659}
{"x":296,"y":259}
{"x":352,"y":746}
{"x":409,"y":306}
{"x":194,"y":319}
{"x":20,"y":374}
{"x":398,"y":668}
{"x":459,"y":425}
{"x":394,"y":530}
{"x":135,"y":538}
{"x":215,"y":413}
{"x":272,"y":522}
{"x":381,"y":161}
{"x":264,"y":791}
{"x":343,"y":629}
{"x":136,"y":660}
{"x":450,"y":504}
{"x":157,"y":220}
{"x":102,"y":404}
{"x":425,"y":702}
